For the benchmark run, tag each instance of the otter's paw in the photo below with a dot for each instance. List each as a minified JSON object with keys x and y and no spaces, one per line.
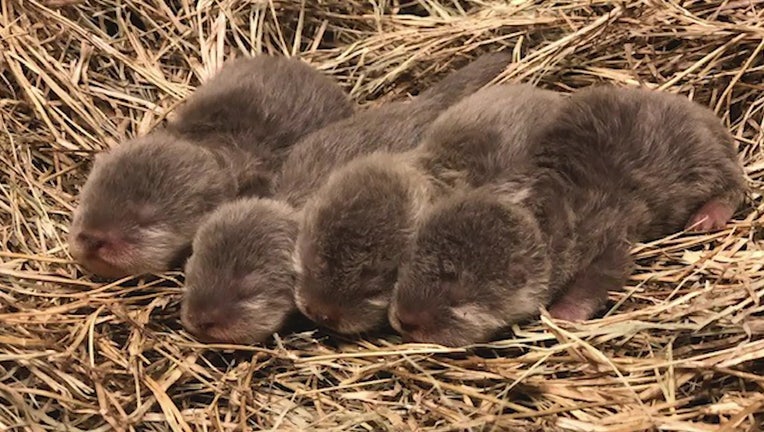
{"x":714,"y":215}
{"x":568,"y":311}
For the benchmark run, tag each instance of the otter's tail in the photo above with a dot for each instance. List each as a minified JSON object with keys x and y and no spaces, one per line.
{"x":465,"y":80}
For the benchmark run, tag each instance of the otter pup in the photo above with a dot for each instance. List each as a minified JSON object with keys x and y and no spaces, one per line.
{"x":237,"y":287}
{"x":616,"y":166}
{"x":262,"y":261}
{"x":143,"y":200}
{"x":356,"y":229}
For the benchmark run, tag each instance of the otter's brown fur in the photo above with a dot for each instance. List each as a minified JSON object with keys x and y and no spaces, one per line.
{"x":356,"y":229}
{"x":397,"y":126}
{"x":616,"y":166}
{"x":144,"y":199}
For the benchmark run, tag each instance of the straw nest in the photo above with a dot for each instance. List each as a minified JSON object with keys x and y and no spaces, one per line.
{"x":681,"y":348}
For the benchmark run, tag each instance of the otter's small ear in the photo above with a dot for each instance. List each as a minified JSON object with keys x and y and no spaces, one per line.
{"x":447,"y":270}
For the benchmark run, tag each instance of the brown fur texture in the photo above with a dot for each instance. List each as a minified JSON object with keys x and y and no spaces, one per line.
{"x":394,"y":127}
{"x":144,"y":200}
{"x":233,"y":303}
{"x":617,"y":166}
{"x":356,"y":230}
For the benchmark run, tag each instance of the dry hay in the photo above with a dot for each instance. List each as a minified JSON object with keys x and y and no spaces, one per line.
{"x":680,"y":350}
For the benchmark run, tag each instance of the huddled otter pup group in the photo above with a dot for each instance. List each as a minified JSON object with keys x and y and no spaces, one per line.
{"x":144,"y":200}
{"x":449,"y":217}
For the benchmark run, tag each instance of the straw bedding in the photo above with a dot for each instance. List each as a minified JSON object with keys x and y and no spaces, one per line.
{"x":681,"y":348}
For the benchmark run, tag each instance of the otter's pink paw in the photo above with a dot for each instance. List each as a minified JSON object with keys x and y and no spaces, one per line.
{"x":714,"y":215}
{"x":564,"y":310}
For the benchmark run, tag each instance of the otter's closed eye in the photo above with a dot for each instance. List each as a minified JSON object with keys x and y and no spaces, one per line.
{"x":242,"y":294}
{"x":247,"y":285}
{"x":391,"y":276}
{"x":453,"y":291}
{"x":449,"y":276}
{"x":368,"y":273}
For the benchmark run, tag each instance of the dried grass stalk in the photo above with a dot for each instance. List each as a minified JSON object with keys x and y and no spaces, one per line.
{"x":681,"y":349}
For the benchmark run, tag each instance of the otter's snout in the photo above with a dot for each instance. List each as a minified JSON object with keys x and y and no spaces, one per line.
{"x":411,"y":322}
{"x":91,"y":242}
{"x":95,"y":249}
{"x":209,"y":324}
{"x":324,"y":315}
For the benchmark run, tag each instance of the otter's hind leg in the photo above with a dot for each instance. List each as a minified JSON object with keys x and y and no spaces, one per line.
{"x":587,"y":294}
{"x":713,"y":215}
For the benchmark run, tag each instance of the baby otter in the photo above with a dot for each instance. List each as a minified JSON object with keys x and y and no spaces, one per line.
{"x":225,"y":300}
{"x":143,"y":200}
{"x":357,"y":228}
{"x":267,"y":265}
{"x":616,"y":166}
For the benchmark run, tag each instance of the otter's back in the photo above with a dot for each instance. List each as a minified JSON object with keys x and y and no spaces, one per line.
{"x":644,"y":157}
{"x":489,"y":134}
{"x":262,"y":104}
{"x":396,"y":127}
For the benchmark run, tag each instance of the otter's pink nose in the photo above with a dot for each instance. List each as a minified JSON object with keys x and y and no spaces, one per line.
{"x":92,"y":241}
{"x":98,"y":252}
{"x":207,"y":324}
{"x":411,"y":321}
{"x":328,"y":317}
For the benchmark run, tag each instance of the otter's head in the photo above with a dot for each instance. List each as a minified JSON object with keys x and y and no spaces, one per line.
{"x":240,"y":279}
{"x":354,"y":234}
{"x":142,"y":203}
{"x":477,"y":266}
